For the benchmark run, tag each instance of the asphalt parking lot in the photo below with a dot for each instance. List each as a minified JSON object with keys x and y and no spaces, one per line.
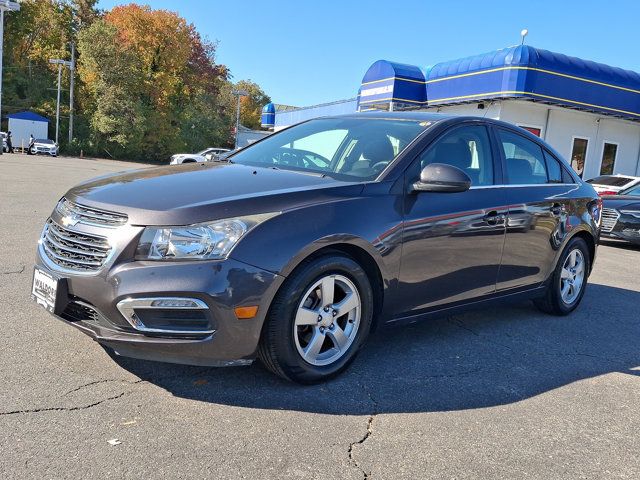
{"x":507,"y":393}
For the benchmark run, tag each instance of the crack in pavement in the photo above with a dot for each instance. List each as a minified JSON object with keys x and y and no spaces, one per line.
{"x":97,"y":382}
{"x":366,"y":436}
{"x":66,"y":409}
{"x":12,"y":272}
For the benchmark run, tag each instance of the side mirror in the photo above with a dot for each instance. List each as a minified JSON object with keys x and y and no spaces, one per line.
{"x":440,"y":177}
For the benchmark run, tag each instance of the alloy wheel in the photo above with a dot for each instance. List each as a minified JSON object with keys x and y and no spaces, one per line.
{"x":327,"y":320}
{"x":572,"y":276}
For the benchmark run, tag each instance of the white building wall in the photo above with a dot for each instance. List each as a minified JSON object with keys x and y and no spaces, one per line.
{"x":559,"y":126}
{"x":490,"y":110}
{"x":22,"y":129}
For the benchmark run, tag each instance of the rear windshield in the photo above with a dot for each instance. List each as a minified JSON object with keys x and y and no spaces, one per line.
{"x":610,"y":181}
{"x":344,"y":148}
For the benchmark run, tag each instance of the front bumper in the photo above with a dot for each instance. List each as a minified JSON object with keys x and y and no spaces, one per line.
{"x":220,"y":285}
{"x":627,"y":229}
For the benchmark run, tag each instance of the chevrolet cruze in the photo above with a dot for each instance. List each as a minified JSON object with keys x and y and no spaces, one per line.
{"x":304,"y":242}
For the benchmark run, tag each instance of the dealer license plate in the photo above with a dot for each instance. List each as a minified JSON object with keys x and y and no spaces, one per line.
{"x":44,"y":289}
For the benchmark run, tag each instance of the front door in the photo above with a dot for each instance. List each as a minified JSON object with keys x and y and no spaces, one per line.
{"x":452,"y":242}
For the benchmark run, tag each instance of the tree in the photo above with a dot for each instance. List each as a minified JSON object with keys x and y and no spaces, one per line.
{"x":251,"y":105}
{"x":147,"y":82}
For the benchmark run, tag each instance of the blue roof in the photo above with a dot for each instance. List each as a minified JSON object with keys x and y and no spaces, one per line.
{"x":26,"y":115}
{"x":535,"y":74}
{"x":387,"y":81}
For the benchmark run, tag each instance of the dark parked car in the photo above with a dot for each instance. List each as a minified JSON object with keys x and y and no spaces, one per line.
{"x":621,"y":215}
{"x":312,"y":237}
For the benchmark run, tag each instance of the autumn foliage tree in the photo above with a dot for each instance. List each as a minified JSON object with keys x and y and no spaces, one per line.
{"x":148,"y":84}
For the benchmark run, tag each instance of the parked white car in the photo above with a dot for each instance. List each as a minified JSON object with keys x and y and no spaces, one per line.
{"x":43,"y":146}
{"x":613,"y":184}
{"x":206,"y":155}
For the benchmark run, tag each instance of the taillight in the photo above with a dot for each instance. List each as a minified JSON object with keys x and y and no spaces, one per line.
{"x":595,"y":208}
{"x":607,"y":192}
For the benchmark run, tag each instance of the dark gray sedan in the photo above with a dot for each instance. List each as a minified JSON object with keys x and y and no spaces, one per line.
{"x":306,"y":241}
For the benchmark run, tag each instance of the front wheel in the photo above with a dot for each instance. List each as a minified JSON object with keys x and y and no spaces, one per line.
{"x":318,"y":321}
{"x":567,"y":286}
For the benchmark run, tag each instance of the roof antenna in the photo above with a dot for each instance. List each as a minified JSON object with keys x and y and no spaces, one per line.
{"x":523,"y":33}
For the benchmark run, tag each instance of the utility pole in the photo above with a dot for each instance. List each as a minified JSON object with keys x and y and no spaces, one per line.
{"x":72,"y":74}
{"x":14,"y":7}
{"x":58,"y":103}
{"x":238,"y":93}
{"x":60,"y":63}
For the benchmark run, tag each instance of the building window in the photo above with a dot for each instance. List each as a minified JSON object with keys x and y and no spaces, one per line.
{"x":579,"y":154}
{"x":534,"y":130}
{"x":609,"y":152}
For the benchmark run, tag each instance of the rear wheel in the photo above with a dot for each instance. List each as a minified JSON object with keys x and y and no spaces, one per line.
{"x":567,"y":286}
{"x":318,"y":321}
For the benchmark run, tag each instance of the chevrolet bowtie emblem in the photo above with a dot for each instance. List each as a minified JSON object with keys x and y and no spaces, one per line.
{"x":70,"y":221}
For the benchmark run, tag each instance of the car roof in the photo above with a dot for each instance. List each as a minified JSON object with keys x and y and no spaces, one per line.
{"x":426,"y":117}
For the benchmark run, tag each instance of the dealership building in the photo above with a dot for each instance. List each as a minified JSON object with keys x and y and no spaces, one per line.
{"x":588,"y":111}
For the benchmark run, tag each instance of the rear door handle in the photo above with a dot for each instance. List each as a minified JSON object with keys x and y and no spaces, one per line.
{"x":493,"y":218}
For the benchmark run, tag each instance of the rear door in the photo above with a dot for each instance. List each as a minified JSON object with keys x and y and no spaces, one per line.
{"x":538,"y":192}
{"x":452,"y":242}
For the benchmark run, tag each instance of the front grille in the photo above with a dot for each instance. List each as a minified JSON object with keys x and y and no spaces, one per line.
{"x":74,"y":250}
{"x":90,"y":216}
{"x":609,"y":219}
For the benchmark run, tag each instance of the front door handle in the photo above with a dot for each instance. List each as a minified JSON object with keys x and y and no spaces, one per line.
{"x":557,"y":209}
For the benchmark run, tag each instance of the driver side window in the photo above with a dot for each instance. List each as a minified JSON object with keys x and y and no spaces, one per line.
{"x":467,"y":148}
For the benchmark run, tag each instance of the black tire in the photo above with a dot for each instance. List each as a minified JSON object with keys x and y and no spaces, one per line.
{"x":277,"y":348}
{"x":188,"y":160}
{"x":552,"y":302}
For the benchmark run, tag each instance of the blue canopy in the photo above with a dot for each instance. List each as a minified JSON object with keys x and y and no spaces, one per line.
{"x":387,"y":82}
{"x":535,"y":74}
{"x":26,"y":115}
{"x":268,"y":118}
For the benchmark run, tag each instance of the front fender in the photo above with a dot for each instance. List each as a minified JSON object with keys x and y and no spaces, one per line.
{"x":370,"y":223}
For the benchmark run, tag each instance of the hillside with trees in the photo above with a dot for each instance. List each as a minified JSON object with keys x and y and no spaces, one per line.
{"x":147,"y":83}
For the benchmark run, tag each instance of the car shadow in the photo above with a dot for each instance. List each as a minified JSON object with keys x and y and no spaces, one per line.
{"x":477,"y":359}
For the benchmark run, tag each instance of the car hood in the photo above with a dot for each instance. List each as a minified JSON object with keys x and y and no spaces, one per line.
{"x":621,"y":201}
{"x":195,"y":193}
{"x":47,"y":145}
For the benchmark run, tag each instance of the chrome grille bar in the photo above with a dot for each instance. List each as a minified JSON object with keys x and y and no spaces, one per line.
{"x":73,"y":250}
{"x":89,"y":215}
{"x":609,"y":219}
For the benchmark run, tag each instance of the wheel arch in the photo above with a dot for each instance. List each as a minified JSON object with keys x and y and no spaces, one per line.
{"x":361,"y":252}
{"x":591,"y":244}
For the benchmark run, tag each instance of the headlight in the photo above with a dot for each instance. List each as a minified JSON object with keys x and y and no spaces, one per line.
{"x":204,"y":241}
{"x":633,"y":213}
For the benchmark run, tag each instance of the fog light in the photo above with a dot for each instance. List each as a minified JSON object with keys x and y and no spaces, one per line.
{"x":631,"y":232}
{"x":174,"y":303}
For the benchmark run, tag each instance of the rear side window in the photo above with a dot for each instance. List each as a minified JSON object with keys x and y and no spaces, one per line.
{"x":556,"y":171}
{"x":525,"y":162}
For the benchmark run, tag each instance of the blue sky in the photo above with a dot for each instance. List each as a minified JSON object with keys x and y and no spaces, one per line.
{"x":307,"y":52}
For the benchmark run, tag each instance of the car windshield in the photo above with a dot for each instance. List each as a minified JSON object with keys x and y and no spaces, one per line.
{"x":632,"y":191}
{"x":44,"y":140}
{"x":343,"y":148}
{"x":610,"y":181}
{"x":204,"y":152}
